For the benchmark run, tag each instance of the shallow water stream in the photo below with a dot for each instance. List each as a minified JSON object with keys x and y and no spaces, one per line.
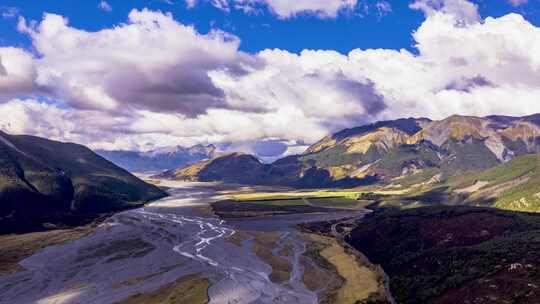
{"x":140,"y":250}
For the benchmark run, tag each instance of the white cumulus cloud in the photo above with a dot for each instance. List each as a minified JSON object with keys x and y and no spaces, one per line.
{"x":17,"y":72}
{"x":152,"y":61}
{"x":154,"y":82}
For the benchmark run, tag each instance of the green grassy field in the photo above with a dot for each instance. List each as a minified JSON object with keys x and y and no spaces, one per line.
{"x":523,"y":197}
{"x":280,"y":202}
{"x":261,"y":196}
{"x":323,"y":198}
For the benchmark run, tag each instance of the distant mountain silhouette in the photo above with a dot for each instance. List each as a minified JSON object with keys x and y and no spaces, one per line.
{"x":159,"y":159}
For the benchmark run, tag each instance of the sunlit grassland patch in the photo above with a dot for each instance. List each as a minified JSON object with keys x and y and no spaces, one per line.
{"x":190,"y":289}
{"x":323,"y":198}
{"x":350,"y":279}
{"x":261,"y":196}
{"x":280,"y":202}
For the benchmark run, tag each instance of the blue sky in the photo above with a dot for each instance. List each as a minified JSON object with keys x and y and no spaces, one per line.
{"x":136,"y":75}
{"x":358,"y":29}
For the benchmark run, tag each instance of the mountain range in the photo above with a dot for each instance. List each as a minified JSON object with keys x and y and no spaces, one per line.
{"x":43,"y":180}
{"x":385,"y":152}
{"x":159,"y":159}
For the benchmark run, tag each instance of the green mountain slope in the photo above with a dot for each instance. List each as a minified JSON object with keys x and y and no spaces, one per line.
{"x":238,"y":168}
{"x":514,"y":185}
{"x":231,"y":168}
{"x":40,"y":178}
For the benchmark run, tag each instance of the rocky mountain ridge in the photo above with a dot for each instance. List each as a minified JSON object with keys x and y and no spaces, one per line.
{"x":387,"y":150}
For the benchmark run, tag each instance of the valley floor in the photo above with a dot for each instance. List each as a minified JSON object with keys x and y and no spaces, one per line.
{"x":16,"y":247}
{"x":177,"y":251}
